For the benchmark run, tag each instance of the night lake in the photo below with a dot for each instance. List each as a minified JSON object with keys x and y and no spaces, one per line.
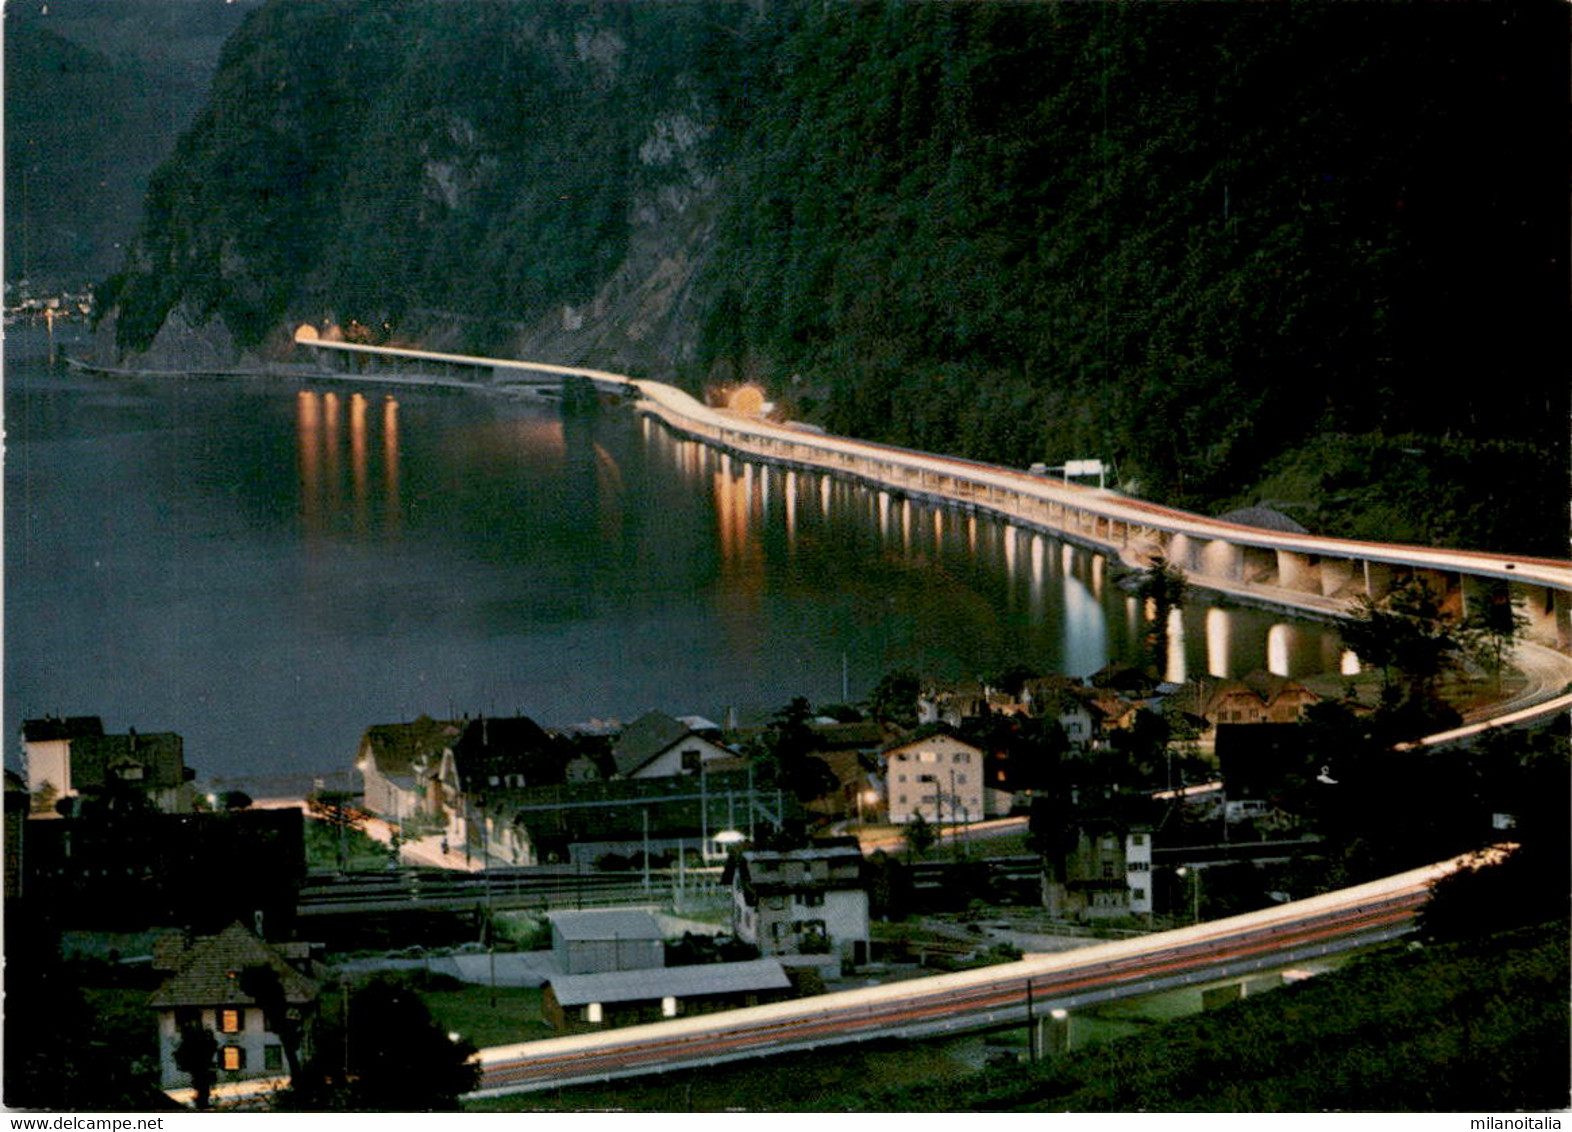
{"x":268,"y":566}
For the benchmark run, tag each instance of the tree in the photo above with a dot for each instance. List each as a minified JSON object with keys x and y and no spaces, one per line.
{"x":389,"y":1055}
{"x":1162,"y":590}
{"x":1529,"y":880}
{"x":920,"y":835}
{"x":1491,"y":629}
{"x":337,"y":810}
{"x":267,"y":989}
{"x":197,"y":1057}
{"x":785,"y":751}
{"x":894,"y":698}
{"x":1405,"y":634}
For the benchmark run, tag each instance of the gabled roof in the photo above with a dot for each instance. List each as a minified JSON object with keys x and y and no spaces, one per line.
{"x":396,"y":747}
{"x":606,"y":923}
{"x":210,"y":973}
{"x":1269,"y":686}
{"x":515,"y":745}
{"x":924,"y":734}
{"x":677,"y":982}
{"x":645,"y":739}
{"x":53,"y":728}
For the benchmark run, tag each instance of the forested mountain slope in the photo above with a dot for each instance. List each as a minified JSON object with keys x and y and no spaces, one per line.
{"x":1312,"y":255}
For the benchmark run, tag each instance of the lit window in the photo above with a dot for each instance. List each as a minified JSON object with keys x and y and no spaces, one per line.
{"x":234,"y":1058}
{"x":668,"y":1007}
{"x":592,"y":1012}
{"x":231,"y":1021}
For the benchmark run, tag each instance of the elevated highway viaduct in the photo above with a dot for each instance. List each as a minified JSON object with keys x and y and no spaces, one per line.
{"x":1307,"y":574}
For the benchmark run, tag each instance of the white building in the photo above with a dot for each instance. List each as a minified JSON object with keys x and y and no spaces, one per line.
{"x":939,"y":777}
{"x":1138,"y":870}
{"x":802,"y":902}
{"x":207,"y":989}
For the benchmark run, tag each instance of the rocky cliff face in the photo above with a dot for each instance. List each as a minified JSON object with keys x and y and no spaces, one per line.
{"x":537,"y":179}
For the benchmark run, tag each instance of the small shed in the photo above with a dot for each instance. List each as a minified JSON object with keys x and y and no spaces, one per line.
{"x":575,"y":1003}
{"x":607,"y":939}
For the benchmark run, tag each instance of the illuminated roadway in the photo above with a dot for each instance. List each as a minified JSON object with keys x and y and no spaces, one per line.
{"x":988,"y":998}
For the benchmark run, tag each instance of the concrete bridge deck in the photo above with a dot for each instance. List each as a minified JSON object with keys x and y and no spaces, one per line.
{"x":1307,"y":574}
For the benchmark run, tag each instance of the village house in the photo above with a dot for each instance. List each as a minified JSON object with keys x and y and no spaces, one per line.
{"x":851,"y":751}
{"x":72,"y":757}
{"x":657,"y":746}
{"x":1100,"y":868}
{"x":801,"y":901}
{"x":936,"y":776}
{"x":215,"y":984}
{"x":1067,"y":704}
{"x":597,"y":940}
{"x":490,"y":759}
{"x":577,"y":1003}
{"x":401,"y":764}
{"x":1260,"y":697}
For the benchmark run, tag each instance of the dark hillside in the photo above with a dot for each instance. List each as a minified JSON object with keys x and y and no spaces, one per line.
{"x":1189,"y":237}
{"x":1480,"y":1027}
{"x":1311,"y":255}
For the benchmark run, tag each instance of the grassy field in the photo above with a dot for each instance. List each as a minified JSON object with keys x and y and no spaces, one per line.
{"x":362,"y":854}
{"x":469,"y":1011}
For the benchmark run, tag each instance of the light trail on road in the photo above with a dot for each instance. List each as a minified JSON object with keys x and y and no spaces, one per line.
{"x":987,"y":998}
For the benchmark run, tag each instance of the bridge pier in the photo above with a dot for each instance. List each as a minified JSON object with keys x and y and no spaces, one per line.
{"x":1048,"y":1033}
{"x":1549,"y":614}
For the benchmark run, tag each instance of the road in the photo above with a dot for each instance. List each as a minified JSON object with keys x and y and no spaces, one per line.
{"x":988,"y":998}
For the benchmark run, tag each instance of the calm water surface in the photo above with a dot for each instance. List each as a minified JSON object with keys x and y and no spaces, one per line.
{"x":269,"y":566}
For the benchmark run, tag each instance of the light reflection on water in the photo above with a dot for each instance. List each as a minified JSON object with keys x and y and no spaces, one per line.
{"x":269,"y":571}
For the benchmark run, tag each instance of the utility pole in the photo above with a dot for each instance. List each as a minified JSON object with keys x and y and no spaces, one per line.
{"x":1031,"y":1026}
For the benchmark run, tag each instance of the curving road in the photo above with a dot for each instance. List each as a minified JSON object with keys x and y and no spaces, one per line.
{"x":1004,"y":995}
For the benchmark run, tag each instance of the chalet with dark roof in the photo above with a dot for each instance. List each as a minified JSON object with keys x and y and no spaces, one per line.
{"x":489,"y":759}
{"x":657,"y":746}
{"x":254,"y":999}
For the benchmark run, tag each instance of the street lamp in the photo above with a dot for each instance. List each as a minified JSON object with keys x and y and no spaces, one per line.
{"x":865,"y":798}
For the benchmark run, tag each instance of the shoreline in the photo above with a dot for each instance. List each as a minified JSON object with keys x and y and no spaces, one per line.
{"x":543,"y":390}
